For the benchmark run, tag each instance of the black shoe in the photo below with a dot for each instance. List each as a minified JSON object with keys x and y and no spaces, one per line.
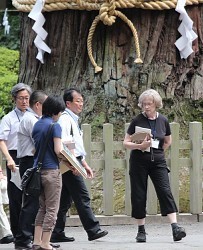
{"x":178,"y":233}
{"x":23,"y":246}
{"x":7,"y":239}
{"x":98,"y":235}
{"x":62,"y":239}
{"x":141,"y":237}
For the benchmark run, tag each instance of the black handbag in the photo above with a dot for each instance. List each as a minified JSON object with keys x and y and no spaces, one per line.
{"x":31,"y":179}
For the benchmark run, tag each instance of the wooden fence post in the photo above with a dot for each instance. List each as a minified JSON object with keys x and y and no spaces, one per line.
{"x":87,"y":144}
{"x":127,"y":180}
{"x":174,"y":161}
{"x":195,"y":135}
{"x":108,"y":168}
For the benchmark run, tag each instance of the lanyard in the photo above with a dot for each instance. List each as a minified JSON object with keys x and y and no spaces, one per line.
{"x":153,"y":128}
{"x":17,"y":115}
{"x":76,"y":122}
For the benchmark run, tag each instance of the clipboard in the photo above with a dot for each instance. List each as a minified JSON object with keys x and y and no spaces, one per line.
{"x":67,"y":155}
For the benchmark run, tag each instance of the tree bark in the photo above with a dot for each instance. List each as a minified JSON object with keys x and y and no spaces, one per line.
{"x":111,"y":95}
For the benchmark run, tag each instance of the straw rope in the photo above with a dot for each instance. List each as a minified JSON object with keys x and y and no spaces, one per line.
{"x":107,"y":14}
{"x":53,"y":5}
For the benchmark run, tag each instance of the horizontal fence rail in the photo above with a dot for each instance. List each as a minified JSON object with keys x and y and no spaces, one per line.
{"x":101,"y":155}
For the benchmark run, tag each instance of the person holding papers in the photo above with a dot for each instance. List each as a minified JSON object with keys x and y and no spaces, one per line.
{"x":144,"y":163}
{"x":25,"y":154}
{"x":8,"y":145}
{"x":73,"y":185}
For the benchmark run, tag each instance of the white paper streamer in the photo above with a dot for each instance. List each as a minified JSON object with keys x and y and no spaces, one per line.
{"x":184,"y":43}
{"x":5,"y":23}
{"x":36,"y":15}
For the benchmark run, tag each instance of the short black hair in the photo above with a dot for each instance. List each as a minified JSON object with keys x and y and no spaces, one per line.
{"x":37,"y":96}
{"x":68,"y":94}
{"x":53,"y":105}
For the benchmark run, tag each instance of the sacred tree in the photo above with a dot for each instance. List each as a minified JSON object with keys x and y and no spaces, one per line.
{"x":113,"y":50}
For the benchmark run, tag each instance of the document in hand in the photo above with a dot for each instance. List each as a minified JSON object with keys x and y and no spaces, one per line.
{"x":140,"y":134}
{"x":67,"y":155}
{"x":15,"y":178}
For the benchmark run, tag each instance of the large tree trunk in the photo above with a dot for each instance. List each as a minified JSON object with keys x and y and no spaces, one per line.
{"x":117,"y":87}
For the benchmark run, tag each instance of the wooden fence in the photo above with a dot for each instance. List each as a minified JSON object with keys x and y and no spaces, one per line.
{"x":108,"y":163}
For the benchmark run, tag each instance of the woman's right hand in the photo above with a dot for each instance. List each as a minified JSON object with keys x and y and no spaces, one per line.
{"x":145,"y":144}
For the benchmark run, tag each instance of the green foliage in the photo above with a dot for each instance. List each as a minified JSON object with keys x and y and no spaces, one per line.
{"x":9,"y":64}
{"x":12,"y":40}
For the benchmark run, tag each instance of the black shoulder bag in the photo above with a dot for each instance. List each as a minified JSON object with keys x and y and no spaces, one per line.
{"x":31,"y":179}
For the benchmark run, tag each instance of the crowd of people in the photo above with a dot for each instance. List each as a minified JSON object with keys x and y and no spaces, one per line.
{"x":39,"y":223}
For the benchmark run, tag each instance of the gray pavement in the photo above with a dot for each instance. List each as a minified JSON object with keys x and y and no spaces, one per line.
{"x":122,"y":237}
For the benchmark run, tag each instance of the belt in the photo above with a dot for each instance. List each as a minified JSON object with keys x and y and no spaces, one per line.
{"x":26,"y":157}
{"x":12,"y":151}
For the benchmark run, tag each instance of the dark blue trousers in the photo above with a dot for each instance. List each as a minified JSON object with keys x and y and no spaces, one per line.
{"x":30,"y":206}
{"x":15,"y":197}
{"x":74,"y":188}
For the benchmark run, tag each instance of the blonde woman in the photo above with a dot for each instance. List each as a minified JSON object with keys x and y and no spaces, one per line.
{"x":152,"y":164}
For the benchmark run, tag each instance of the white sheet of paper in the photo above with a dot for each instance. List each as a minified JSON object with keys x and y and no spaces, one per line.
{"x":180,"y":43}
{"x":186,"y":52}
{"x":16,"y":179}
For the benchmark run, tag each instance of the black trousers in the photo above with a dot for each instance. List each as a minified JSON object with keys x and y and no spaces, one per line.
{"x":74,"y":188}
{"x":29,"y":208}
{"x":15,"y":197}
{"x":158,"y":172}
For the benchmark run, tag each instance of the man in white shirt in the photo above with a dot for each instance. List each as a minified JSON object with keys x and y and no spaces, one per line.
{"x":8,"y":145}
{"x":25,"y":153}
{"x":73,"y":186}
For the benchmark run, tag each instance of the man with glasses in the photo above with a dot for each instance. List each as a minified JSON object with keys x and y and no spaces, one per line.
{"x":25,"y":153}
{"x":8,"y":145}
{"x":73,"y":185}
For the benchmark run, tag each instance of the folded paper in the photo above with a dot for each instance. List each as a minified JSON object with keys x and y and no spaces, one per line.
{"x":184,"y":43}
{"x":39,"y":19}
{"x":6,"y":23}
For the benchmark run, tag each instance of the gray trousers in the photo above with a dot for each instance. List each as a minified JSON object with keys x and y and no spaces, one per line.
{"x":49,"y":199}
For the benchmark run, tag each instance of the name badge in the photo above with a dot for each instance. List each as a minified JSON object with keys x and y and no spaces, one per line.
{"x":155,"y":143}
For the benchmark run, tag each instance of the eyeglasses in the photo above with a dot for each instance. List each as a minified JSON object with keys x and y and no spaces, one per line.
{"x":149,"y":104}
{"x":22,"y":98}
{"x":78,"y":101}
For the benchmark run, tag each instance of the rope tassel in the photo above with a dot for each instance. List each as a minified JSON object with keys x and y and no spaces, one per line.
{"x":107,"y":15}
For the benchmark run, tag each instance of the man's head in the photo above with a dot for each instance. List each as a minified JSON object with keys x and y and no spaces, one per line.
{"x":73,"y":100}
{"x":21,"y":94}
{"x":36,"y":100}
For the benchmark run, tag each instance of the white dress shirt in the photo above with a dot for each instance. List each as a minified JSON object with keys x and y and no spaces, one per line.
{"x":25,"y":143}
{"x":9,"y":128}
{"x":66,"y":120}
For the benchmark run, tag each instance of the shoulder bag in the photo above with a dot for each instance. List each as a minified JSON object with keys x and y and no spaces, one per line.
{"x":31,"y":179}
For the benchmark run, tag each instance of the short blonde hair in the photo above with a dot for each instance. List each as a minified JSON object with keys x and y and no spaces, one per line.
{"x":150,"y":93}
